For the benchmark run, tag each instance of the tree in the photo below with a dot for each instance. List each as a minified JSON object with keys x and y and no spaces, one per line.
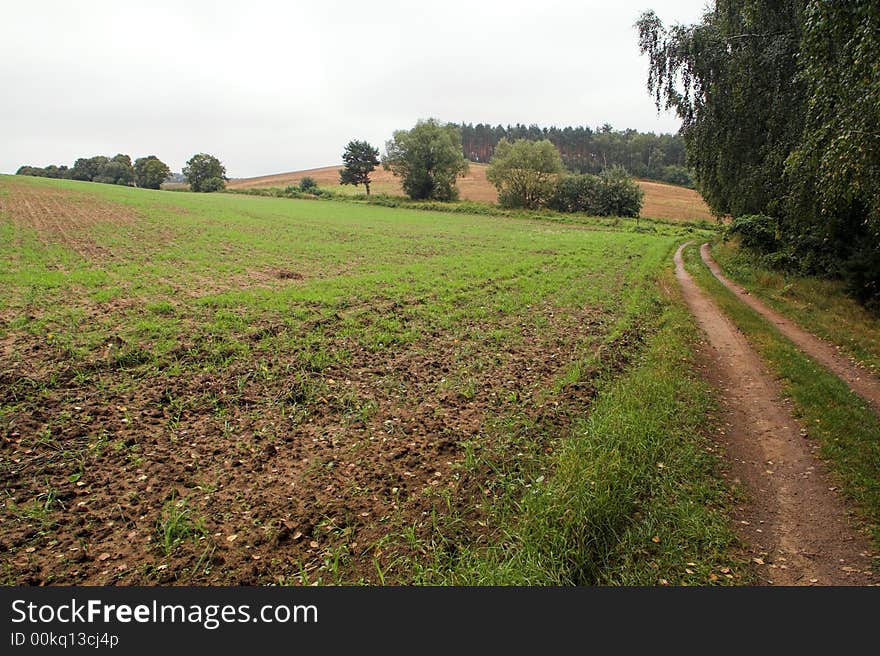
{"x":428,"y":159}
{"x":205,"y":173}
{"x":88,"y":168}
{"x":780,"y":102}
{"x":619,"y":194}
{"x":524,"y":172}
{"x":360,"y":160}
{"x":733,"y":79}
{"x":150,"y":172}
{"x":116,"y":171}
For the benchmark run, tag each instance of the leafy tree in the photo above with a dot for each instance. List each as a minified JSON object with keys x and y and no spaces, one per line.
{"x":150,"y":172}
{"x":611,"y":193}
{"x":583,"y":149}
{"x":308,"y":184}
{"x":732,"y":78}
{"x":88,"y":169}
{"x":205,"y":173}
{"x":428,"y":159}
{"x":360,"y":160}
{"x":116,"y":171}
{"x":619,"y":194}
{"x":576,"y":193}
{"x":780,"y":102}
{"x":834,"y":173}
{"x":524,"y":172}
{"x":35,"y":171}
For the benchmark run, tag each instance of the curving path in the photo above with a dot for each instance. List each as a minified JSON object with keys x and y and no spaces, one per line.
{"x":861,"y":382}
{"x":797,"y":525}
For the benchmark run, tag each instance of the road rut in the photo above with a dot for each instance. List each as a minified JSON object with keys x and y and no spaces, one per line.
{"x":796,"y":524}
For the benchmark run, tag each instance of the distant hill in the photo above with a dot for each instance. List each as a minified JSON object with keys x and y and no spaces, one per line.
{"x":662,"y":201}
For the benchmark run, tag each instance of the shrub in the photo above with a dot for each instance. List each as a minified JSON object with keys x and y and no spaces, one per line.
{"x":308,"y":184}
{"x":612,"y":193}
{"x":757,"y":232}
{"x":213,"y":184}
{"x":576,"y":193}
{"x":619,"y":194}
{"x":677,"y":175}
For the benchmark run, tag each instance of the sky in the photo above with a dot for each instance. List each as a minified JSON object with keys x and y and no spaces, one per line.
{"x":270,"y":87}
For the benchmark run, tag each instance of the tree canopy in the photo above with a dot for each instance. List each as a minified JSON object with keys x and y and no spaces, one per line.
{"x":360,"y":159}
{"x":780,"y":103}
{"x":428,"y":159}
{"x":588,"y":150}
{"x":524,"y":172}
{"x":150,"y":172}
{"x":205,"y":173}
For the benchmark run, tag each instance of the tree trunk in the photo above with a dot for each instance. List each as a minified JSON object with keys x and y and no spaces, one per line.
{"x":367,"y":187}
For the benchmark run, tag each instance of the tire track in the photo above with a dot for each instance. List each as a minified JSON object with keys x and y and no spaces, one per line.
{"x":796,"y":525}
{"x":860,"y":381}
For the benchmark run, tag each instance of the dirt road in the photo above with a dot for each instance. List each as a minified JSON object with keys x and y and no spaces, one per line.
{"x":861,"y":382}
{"x":796,"y":524}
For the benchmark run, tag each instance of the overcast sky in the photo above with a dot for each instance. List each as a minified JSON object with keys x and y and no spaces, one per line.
{"x":281,"y":86}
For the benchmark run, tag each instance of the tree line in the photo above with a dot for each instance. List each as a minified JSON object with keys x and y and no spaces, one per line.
{"x":529,"y":174}
{"x":203,"y":172}
{"x":780,"y":105}
{"x":148,"y":172}
{"x":584,"y":150}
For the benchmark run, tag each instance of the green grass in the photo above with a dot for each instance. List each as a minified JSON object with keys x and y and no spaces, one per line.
{"x":631,"y":495}
{"x":176,"y":525}
{"x":820,"y":306}
{"x":841,"y":422}
{"x":243,"y":349}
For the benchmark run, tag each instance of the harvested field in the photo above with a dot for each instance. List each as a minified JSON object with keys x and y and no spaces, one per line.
{"x":662,"y":201}
{"x":286,"y":391}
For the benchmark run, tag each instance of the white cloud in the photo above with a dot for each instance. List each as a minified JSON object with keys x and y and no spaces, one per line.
{"x":275,"y":86}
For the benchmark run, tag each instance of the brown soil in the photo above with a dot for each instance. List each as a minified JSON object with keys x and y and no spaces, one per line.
{"x":859,"y":380}
{"x":65,"y":217}
{"x":286,"y":468}
{"x":662,"y":201}
{"x":796,"y":524}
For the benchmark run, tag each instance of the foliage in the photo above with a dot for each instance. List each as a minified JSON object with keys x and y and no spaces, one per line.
{"x":427,"y":159}
{"x":150,"y":172}
{"x":524,"y":172}
{"x":780,"y":103}
{"x":612,"y":193}
{"x":116,"y":171}
{"x":756,"y":231}
{"x":584,"y":149}
{"x":205,"y":173}
{"x":307,"y":184}
{"x":51,"y":171}
{"x":360,"y":159}
{"x":576,"y":193}
{"x":88,"y":168}
{"x":619,"y":195}
{"x":677,"y":175}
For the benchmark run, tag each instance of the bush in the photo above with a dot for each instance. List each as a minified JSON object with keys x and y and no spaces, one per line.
{"x":612,"y":193}
{"x":757,"y":232}
{"x":576,"y":193}
{"x":677,"y":175}
{"x":308,"y":184}
{"x":619,"y":194}
{"x":213,"y":184}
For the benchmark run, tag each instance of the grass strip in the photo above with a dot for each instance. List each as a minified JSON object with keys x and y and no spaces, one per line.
{"x":843,"y":424}
{"x":820,"y":305}
{"x":634,"y":497}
